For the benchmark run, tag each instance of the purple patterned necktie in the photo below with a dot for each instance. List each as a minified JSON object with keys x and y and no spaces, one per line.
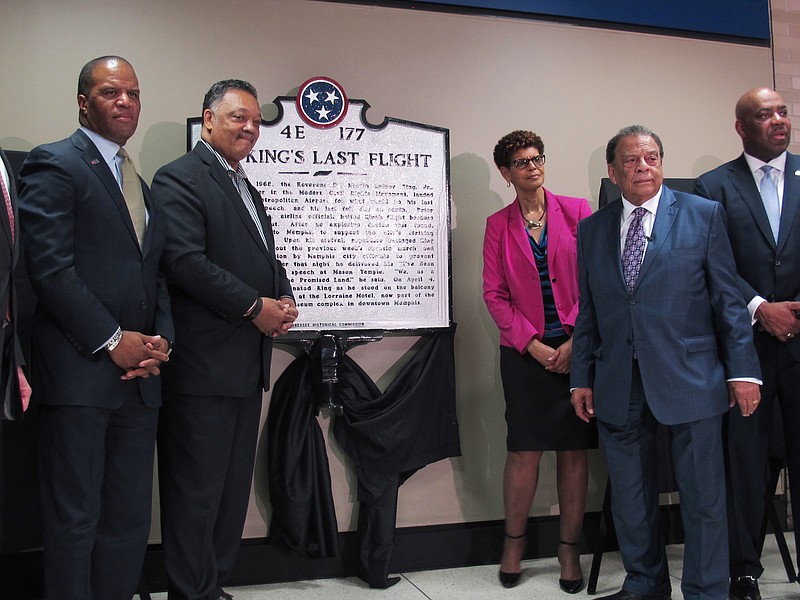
{"x":634,"y":248}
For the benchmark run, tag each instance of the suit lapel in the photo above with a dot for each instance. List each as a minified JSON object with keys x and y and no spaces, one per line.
{"x":555,"y":224}
{"x":518,"y":232}
{"x":609,"y":237}
{"x":664,"y":219}
{"x":791,"y":199}
{"x":743,"y":181}
{"x":220,"y":175}
{"x":97,"y":165}
{"x":151,"y":221}
{"x":266,"y":226}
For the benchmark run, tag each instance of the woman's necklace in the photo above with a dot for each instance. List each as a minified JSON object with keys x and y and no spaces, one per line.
{"x":536,"y":223}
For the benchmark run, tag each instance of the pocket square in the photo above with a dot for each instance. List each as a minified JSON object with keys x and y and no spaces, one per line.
{"x":797,"y":172}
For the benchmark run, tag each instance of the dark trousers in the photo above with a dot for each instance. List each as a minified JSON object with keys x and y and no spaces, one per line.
{"x":206,"y":452}
{"x":747,"y":443}
{"x":696,"y":451}
{"x":96,"y":474}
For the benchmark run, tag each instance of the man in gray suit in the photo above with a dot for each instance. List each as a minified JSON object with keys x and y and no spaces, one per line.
{"x":764,"y":229}
{"x":662,"y":336}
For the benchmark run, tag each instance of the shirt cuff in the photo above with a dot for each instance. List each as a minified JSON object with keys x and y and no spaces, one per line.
{"x":747,"y":379}
{"x":253,"y":311}
{"x":752,"y":306}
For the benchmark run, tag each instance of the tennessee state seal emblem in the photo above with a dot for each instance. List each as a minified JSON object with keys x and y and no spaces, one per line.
{"x":321,"y":102}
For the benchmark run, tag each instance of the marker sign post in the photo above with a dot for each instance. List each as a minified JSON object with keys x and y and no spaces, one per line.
{"x":361,"y":213}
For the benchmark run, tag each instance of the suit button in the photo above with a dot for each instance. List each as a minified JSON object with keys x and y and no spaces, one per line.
{"x":632,"y":301}
{"x":553,"y":280}
{"x":144,"y":305}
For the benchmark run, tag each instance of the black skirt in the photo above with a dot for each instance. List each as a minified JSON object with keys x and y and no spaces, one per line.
{"x":539,"y":414}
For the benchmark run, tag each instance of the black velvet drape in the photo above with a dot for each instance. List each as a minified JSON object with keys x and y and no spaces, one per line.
{"x":387,"y":435}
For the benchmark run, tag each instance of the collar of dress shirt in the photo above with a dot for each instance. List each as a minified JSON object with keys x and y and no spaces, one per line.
{"x":108,"y":149}
{"x":648,"y":219}
{"x":778,"y":163}
{"x":225,"y":164}
{"x":651,"y":205}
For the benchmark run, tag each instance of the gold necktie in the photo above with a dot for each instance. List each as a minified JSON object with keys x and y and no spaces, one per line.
{"x":132,"y":190}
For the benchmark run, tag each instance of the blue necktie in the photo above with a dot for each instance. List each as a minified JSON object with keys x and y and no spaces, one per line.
{"x":769,"y":196}
{"x":634,"y":248}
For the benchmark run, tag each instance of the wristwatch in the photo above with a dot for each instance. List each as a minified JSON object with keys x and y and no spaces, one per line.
{"x":115,"y":340}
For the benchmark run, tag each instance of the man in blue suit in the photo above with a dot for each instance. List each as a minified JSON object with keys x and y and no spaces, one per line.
{"x":764,"y":229}
{"x":662,"y":336}
{"x":102,"y":328}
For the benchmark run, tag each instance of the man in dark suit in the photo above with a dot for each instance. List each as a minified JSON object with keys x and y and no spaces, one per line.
{"x":14,"y":386}
{"x":764,"y":229}
{"x":230,"y":296}
{"x":102,"y":327}
{"x":661,"y":327}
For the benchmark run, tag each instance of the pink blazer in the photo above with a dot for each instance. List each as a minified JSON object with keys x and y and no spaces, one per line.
{"x":511,"y":287}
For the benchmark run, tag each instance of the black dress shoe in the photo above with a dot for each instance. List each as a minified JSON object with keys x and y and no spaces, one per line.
{"x":380,"y":584}
{"x":744,"y":587}
{"x":626,"y":595}
{"x":508,"y":580}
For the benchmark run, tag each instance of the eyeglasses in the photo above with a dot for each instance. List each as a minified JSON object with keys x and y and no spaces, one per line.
{"x":522,"y":163}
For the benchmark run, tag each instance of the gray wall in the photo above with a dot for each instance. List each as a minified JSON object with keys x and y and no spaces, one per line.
{"x":478,"y":76}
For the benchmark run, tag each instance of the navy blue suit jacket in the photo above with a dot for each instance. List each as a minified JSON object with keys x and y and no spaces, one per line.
{"x":686,"y":315}
{"x":766,"y":268}
{"x":89,"y":274}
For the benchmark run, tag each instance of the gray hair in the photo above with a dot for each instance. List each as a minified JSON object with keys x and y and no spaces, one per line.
{"x":219,"y":89}
{"x":611,"y":147}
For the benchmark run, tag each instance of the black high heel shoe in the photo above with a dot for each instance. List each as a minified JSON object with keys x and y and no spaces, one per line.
{"x":510,"y":580}
{"x":571,"y":586}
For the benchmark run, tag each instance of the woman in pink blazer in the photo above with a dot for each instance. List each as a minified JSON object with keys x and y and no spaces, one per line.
{"x":530,"y":286}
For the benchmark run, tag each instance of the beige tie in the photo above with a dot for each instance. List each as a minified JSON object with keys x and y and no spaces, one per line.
{"x":132,"y":190}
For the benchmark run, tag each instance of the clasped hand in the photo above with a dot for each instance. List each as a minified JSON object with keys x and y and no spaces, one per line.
{"x":139,"y":355}
{"x":556,"y":360}
{"x":779,"y":319}
{"x":276,"y":316}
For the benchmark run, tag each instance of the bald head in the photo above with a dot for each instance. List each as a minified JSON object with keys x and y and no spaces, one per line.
{"x":763,"y":123}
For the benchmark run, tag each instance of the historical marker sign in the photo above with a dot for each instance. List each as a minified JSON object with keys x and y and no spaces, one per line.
{"x":361,"y":213}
